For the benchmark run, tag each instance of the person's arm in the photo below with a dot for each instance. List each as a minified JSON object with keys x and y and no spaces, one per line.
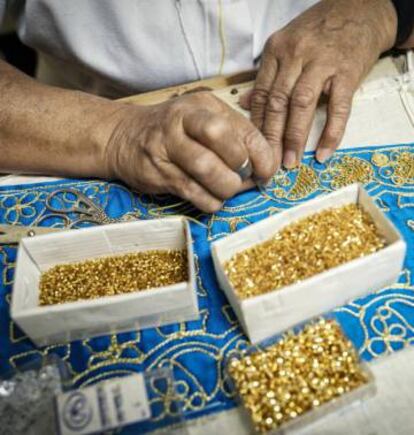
{"x":192,"y":146}
{"x":49,"y":130}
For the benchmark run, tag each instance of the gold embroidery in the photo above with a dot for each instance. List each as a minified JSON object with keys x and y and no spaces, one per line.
{"x":104,"y":357}
{"x":380,"y":160}
{"x":307,"y":182}
{"x":404,"y":168}
{"x":350,"y":170}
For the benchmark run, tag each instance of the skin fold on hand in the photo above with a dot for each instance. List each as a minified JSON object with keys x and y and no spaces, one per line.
{"x":329,"y":49}
{"x":190,"y":146}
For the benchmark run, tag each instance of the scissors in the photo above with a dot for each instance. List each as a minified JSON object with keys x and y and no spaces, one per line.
{"x":10,"y":234}
{"x":83,"y":207}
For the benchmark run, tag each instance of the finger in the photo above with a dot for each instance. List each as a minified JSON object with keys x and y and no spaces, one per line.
{"x":205,"y":167}
{"x":180,"y":184}
{"x":339,"y":109}
{"x":303,"y":102}
{"x":248,"y":184}
{"x":278,"y":106}
{"x":220,"y":134}
{"x":234,"y":139}
{"x":264,"y":80}
{"x":245,"y":100}
{"x":327,"y":87}
{"x":261,"y":155}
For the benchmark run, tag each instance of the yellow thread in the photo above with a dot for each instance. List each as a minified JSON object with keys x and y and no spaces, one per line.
{"x":222,"y":36}
{"x":248,"y":210}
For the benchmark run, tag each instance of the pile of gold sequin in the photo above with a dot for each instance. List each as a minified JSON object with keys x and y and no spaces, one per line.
{"x":299,"y":373}
{"x":114,"y":275}
{"x":303,"y":249}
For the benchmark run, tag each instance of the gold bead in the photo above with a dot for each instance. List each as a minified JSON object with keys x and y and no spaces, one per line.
{"x":112,"y":275}
{"x":303,"y":249}
{"x":277,"y":396}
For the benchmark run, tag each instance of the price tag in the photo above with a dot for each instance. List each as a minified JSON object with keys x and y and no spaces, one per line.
{"x":106,"y":405}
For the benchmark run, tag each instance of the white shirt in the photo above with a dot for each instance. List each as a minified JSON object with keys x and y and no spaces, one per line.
{"x":119,"y":47}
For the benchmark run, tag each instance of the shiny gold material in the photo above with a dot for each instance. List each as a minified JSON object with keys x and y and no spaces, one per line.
{"x":303,"y":249}
{"x":299,"y":373}
{"x":113,"y":275}
{"x":404,"y":169}
{"x":351,"y":170}
{"x":100,"y":362}
{"x":306,"y":183}
{"x":380,"y":160}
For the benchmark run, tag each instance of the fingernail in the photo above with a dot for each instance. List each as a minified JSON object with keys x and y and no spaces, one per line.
{"x":269,"y":183}
{"x":323,"y":154}
{"x":264,"y":184}
{"x":289,"y":159}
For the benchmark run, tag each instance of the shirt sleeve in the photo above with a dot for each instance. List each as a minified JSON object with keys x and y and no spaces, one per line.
{"x":2,"y":14}
{"x":405,"y":13}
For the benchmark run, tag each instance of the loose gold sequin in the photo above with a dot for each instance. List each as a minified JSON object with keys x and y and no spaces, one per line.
{"x":303,"y":249}
{"x":113,"y":275}
{"x":299,"y":373}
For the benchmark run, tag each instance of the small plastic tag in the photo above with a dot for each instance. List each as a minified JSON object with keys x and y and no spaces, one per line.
{"x":106,"y":405}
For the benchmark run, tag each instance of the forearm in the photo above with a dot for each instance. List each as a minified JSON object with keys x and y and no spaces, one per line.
{"x":52,"y":131}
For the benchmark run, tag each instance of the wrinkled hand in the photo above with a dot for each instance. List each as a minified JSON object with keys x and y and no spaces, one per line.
{"x":328,"y":49}
{"x":191,"y":146}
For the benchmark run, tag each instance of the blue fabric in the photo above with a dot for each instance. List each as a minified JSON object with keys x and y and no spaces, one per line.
{"x":379,"y":323}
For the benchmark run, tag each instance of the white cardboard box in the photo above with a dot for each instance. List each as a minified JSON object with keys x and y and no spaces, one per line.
{"x":82,"y":319}
{"x":266,"y":315}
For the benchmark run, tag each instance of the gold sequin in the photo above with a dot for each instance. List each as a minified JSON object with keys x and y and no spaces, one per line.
{"x":404,"y":168}
{"x":351,"y":170}
{"x":303,"y":249}
{"x":380,"y":160}
{"x":306,"y":183}
{"x":299,"y":373}
{"x":113,"y":275}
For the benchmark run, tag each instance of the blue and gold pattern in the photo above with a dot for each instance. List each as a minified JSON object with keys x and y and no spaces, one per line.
{"x":378,"y":324}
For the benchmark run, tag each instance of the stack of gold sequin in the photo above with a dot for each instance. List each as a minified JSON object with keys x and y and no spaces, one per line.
{"x":298,"y":374}
{"x":135,"y":275}
{"x":305,"y":261}
{"x":303,"y":249}
{"x":112,"y":275}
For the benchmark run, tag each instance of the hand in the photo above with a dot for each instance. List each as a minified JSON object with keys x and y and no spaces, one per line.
{"x":328,"y":49}
{"x":191,"y":146}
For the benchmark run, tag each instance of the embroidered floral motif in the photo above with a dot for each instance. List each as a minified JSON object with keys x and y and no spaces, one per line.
{"x":379,"y":323}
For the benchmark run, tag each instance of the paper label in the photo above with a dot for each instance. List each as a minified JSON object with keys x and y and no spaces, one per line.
{"x":107,"y":405}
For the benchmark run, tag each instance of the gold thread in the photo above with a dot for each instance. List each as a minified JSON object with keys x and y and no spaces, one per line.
{"x":222,"y":37}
